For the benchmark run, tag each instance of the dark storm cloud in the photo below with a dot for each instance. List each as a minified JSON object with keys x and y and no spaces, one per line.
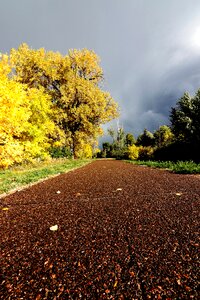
{"x":150,"y":50}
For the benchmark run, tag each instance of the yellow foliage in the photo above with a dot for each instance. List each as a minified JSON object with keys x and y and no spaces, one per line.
{"x":14,"y":116}
{"x":145,"y":153}
{"x":24,"y":123}
{"x":5,"y":67}
{"x":85,"y":64}
{"x":50,"y":100}
{"x":133,"y":152}
{"x":72,"y":82}
{"x":84,"y":151}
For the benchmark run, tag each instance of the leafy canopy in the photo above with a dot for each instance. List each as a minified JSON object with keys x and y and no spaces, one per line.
{"x":73,"y":83}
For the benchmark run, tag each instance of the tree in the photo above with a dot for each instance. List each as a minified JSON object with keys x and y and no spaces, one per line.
{"x":163,"y":136}
{"x":181,"y":118}
{"x":129,"y":140}
{"x":106,"y":149}
{"x":196,"y":118}
{"x":118,"y":137}
{"x":145,"y":139}
{"x":73,"y":83}
{"x":24,"y":123}
{"x":185,"y":119}
{"x":13,"y":121}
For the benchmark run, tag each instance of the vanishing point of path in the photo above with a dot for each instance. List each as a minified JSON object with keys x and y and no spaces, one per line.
{"x":124,"y":232}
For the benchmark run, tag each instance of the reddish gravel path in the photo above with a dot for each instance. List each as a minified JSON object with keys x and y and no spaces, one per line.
{"x":124,"y":232}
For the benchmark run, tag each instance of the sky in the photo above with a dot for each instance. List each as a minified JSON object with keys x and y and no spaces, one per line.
{"x":149,"y":49}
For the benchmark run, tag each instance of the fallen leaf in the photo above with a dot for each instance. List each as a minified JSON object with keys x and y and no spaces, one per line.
{"x":132,"y":273}
{"x":119,"y":189}
{"x":178,"y":194}
{"x":187,"y":288}
{"x":78,"y":194}
{"x":54,"y":228}
{"x":115,"y":284}
{"x":5,"y":208}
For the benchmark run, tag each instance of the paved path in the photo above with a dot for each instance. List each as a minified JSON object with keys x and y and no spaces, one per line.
{"x":124,"y":232}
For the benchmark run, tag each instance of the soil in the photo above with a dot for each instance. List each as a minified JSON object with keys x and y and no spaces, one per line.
{"x":123,"y":232}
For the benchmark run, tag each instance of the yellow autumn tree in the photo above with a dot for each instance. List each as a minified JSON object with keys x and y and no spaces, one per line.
{"x":73,"y":81}
{"x":39,"y":128}
{"x":13,"y":117}
{"x":25,"y":119}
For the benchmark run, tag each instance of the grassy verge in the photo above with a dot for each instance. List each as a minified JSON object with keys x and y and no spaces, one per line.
{"x":20,"y":176}
{"x":179,"y":167}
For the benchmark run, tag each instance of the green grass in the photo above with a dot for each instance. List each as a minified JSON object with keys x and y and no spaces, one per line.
{"x":179,"y":167}
{"x":23,"y":175}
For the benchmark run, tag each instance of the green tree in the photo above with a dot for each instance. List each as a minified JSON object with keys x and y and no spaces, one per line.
{"x":145,"y":139}
{"x":129,"y":140}
{"x":113,"y":135}
{"x":181,"y":118}
{"x":185,"y":118}
{"x":163,"y":136}
{"x":118,"y":137}
{"x":107,"y":147}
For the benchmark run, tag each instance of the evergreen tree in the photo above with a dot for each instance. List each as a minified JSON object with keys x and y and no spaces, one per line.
{"x":145,"y":139}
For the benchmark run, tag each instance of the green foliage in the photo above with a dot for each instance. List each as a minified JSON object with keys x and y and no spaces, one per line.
{"x":180,"y":167}
{"x":118,"y":137}
{"x":19,"y":176}
{"x":178,"y":151}
{"x":163,"y":136}
{"x":119,"y":154}
{"x":129,"y":140}
{"x":185,"y":118}
{"x":60,"y":152}
{"x":107,"y":148}
{"x":145,"y":153}
{"x":145,"y":139}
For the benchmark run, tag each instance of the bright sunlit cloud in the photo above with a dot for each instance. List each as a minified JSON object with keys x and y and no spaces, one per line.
{"x":195,"y":38}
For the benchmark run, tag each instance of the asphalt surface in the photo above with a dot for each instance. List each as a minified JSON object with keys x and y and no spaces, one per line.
{"x":109,"y":230}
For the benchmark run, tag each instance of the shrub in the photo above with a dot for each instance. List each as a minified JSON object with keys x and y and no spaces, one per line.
{"x":119,"y":154}
{"x":145,"y":153}
{"x":133,"y":152}
{"x":178,"y":151}
{"x":60,"y":152}
{"x":84,"y":151}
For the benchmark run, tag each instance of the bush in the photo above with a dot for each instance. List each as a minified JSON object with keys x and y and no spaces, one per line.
{"x":84,"y":151}
{"x":60,"y":152}
{"x":145,"y":153}
{"x":119,"y":154}
{"x":178,"y":151}
{"x":179,"y":167}
{"x":133,"y":152}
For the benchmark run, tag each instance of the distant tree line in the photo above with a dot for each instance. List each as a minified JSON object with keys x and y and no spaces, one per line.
{"x":178,"y":141}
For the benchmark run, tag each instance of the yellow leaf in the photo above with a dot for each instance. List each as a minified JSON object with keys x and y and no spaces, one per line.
{"x":5,"y":208}
{"x":54,"y":228}
{"x":115,"y":284}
